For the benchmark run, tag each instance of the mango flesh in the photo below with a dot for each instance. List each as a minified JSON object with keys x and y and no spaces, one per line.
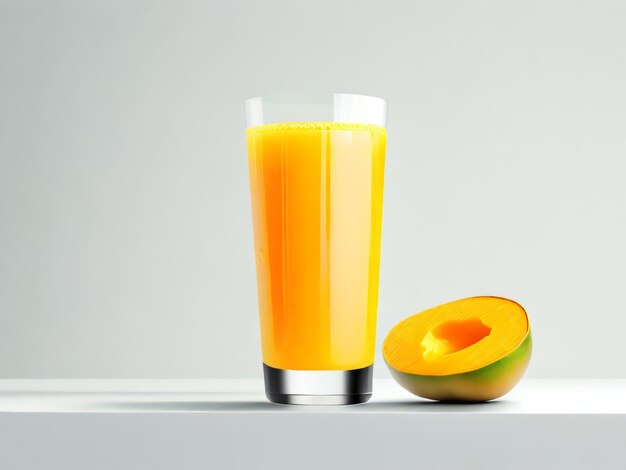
{"x":474,"y":349}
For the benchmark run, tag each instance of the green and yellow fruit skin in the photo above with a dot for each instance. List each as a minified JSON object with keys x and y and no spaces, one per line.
{"x":484,"y":384}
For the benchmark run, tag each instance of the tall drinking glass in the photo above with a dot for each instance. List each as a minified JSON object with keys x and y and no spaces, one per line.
{"x":316,"y":165}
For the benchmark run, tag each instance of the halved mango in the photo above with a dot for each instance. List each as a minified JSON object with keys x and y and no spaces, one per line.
{"x":473,"y":349}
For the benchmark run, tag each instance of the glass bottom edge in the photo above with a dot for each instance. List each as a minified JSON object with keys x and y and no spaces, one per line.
{"x":318,"y":387}
{"x":320,"y":400}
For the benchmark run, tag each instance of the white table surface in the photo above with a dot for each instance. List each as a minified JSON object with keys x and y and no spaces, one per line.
{"x":219,"y":424}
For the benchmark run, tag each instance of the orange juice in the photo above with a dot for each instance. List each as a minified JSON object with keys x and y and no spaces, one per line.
{"x":317,"y":196}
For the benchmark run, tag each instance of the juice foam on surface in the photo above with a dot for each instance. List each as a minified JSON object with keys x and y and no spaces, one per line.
{"x":317,"y":126}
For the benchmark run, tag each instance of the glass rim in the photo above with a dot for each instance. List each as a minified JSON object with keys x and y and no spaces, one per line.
{"x":310,"y":98}
{"x":318,"y":107}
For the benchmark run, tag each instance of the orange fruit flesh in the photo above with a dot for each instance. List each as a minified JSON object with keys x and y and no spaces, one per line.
{"x":456,"y":337}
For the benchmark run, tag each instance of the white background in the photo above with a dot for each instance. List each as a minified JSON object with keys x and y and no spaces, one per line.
{"x":125,"y":233}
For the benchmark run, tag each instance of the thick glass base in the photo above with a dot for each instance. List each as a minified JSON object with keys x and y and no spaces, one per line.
{"x":318,"y":387}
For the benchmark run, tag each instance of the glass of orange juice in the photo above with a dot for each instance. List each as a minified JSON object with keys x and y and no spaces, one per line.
{"x":316,"y":166}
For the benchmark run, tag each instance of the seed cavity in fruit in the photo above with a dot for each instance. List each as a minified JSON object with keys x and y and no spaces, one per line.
{"x":451,"y":336}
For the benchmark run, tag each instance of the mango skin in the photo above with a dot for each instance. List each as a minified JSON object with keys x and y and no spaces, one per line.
{"x":484,"y":384}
